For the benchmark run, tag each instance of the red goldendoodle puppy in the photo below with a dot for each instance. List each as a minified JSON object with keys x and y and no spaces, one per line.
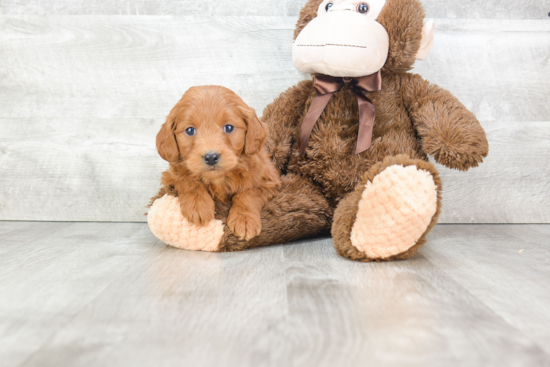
{"x":214,"y":143}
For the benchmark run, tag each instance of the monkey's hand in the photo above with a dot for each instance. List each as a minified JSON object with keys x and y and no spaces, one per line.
{"x":448,"y":131}
{"x":455,"y":144}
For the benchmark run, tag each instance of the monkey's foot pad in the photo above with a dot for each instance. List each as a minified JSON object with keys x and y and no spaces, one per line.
{"x":168,"y":225}
{"x":395,"y":210}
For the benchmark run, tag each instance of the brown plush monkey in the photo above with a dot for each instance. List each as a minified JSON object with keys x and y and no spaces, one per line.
{"x":352,"y":145}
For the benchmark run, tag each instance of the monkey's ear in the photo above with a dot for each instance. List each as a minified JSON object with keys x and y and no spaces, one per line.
{"x":427,"y":40}
{"x":307,"y":14}
{"x":167,"y":146}
{"x":256,"y":131}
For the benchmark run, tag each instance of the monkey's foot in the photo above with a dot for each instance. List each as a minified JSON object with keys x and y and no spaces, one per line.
{"x":168,"y":225}
{"x":390,"y":213}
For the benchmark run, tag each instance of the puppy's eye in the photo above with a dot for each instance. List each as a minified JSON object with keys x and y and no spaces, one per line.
{"x":229,"y":129}
{"x":363,"y":8}
{"x":329,"y":5}
{"x":190,"y":131}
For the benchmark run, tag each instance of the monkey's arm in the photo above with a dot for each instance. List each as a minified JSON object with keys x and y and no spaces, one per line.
{"x":449,"y":132}
{"x":283,"y":116}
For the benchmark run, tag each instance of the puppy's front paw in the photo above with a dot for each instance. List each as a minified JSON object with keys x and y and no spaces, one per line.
{"x":201,"y":217}
{"x":197,"y":212}
{"x":244,"y":225}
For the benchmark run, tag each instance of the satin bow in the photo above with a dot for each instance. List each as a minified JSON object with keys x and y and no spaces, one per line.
{"x":325,"y":87}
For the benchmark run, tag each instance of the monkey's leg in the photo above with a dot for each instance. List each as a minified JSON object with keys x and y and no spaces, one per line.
{"x":299,"y":210}
{"x":390,"y":212}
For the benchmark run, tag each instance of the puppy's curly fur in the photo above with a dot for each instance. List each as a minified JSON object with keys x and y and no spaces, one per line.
{"x":214,"y":120}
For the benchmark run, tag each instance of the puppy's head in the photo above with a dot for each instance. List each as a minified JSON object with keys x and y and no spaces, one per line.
{"x":209,"y":130}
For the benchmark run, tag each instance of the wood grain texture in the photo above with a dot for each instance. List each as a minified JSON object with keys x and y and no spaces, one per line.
{"x":122,"y":66}
{"x":108,"y":294}
{"x":505,"y":9}
{"x":79,"y":170}
{"x":519,"y":297}
{"x":82,"y":97}
{"x":408,"y":313}
{"x":54,"y":270}
{"x":78,"y":175}
{"x":496,"y":68}
{"x":511,"y":186}
{"x":492,"y":9}
{"x":127,"y":301}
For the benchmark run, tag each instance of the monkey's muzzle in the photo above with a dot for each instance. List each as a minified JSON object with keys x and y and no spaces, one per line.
{"x":341,"y":44}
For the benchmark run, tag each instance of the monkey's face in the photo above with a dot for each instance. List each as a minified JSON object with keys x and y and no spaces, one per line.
{"x":345,"y":40}
{"x":348,"y":38}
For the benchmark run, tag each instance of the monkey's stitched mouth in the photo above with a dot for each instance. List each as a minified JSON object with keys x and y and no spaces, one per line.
{"x":331,"y":44}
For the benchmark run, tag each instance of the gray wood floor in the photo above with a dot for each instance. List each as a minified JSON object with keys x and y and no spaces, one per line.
{"x":110,"y":294}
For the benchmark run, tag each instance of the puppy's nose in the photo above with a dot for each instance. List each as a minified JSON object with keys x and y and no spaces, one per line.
{"x":211,"y":158}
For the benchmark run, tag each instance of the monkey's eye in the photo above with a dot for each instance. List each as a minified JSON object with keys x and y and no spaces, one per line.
{"x":190,"y":131}
{"x":363,"y":8}
{"x":229,"y":129}
{"x":329,"y":5}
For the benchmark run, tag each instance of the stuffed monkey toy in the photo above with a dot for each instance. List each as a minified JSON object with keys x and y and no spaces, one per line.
{"x":352,"y":144}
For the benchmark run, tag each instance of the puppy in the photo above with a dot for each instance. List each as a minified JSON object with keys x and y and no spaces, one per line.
{"x":214,"y":143}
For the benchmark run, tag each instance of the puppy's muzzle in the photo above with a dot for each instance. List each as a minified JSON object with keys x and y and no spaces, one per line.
{"x":211,"y":158}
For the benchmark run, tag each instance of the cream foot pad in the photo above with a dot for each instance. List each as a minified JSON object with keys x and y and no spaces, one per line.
{"x":395,"y":210}
{"x":169,"y":226}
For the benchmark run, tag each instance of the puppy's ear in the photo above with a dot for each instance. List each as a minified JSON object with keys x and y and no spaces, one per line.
{"x":167,"y":146}
{"x":256,"y":131}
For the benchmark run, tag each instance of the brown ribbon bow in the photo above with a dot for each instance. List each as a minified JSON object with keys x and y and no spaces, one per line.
{"x":325,"y":87}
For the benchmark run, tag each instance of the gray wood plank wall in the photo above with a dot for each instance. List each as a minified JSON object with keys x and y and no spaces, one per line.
{"x":472,"y":9}
{"x":85,"y":85}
